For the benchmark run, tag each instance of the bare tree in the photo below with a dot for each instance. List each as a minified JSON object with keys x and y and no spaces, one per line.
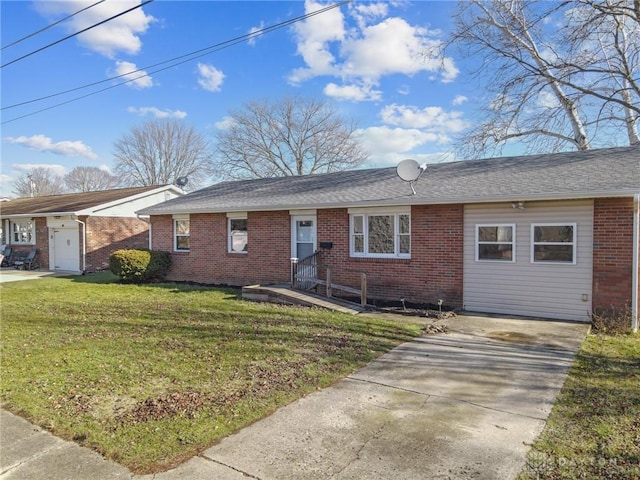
{"x":551,"y":88}
{"x":89,"y":179}
{"x":158,"y":152}
{"x":293,"y":136}
{"x":38,"y":182}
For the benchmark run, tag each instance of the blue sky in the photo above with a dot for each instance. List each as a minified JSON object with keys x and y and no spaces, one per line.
{"x":371,"y":59}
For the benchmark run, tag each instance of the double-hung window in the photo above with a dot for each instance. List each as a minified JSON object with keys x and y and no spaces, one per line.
{"x":237,"y":233}
{"x":23,"y":232}
{"x":553,"y":243}
{"x":495,"y":242}
{"x":181,"y":233}
{"x":381,"y":233}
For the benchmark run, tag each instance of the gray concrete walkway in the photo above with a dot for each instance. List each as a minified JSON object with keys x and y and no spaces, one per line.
{"x":465,"y":404}
{"x":10,"y":274}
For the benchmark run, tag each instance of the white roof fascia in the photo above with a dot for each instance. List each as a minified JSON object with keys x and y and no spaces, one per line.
{"x":104,"y":206}
{"x":407,"y":201}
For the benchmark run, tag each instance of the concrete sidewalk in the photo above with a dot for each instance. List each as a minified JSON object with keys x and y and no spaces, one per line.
{"x":465,"y":404}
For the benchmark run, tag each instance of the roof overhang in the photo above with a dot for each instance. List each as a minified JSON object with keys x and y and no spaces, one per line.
{"x":409,"y":200}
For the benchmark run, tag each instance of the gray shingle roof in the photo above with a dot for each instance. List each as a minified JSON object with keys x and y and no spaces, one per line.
{"x":594,"y":173}
{"x":68,"y":203}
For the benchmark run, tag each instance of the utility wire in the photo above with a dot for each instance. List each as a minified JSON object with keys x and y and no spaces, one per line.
{"x":192,"y":56}
{"x":51,"y":25}
{"x":77,"y":33}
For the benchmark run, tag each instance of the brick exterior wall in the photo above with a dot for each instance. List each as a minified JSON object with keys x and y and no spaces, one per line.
{"x":612,"y":253}
{"x":434,"y":271}
{"x":107,"y":234}
{"x":208,"y":260}
{"x":42,"y":243}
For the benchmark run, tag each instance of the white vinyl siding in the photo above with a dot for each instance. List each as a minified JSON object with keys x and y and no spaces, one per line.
{"x":522,"y":287}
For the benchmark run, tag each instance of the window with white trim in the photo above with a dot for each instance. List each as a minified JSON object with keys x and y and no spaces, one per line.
{"x":181,"y":233}
{"x":23,"y":232}
{"x":495,"y":242}
{"x":553,"y":243}
{"x":238,"y":234}
{"x":383,"y":235}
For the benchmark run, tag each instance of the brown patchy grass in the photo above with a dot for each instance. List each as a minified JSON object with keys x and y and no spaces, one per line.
{"x":152,"y":375}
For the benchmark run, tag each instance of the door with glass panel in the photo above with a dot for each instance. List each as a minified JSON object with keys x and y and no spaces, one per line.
{"x":303,"y":246}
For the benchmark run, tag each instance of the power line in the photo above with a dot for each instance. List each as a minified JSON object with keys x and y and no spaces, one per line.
{"x":51,"y":25}
{"x":76,"y":33}
{"x":192,"y":56}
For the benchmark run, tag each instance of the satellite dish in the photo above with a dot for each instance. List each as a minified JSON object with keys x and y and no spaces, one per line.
{"x":182,"y":181}
{"x":409,"y":170}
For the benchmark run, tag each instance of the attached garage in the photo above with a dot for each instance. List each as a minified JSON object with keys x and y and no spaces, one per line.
{"x":529,"y":258}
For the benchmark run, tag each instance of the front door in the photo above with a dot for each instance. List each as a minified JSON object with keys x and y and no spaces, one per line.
{"x":66,"y":249}
{"x":303,"y":241}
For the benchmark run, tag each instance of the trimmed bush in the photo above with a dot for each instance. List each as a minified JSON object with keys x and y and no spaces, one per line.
{"x":139,"y":265}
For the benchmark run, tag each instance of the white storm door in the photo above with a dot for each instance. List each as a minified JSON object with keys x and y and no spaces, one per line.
{"x":303,"y":233}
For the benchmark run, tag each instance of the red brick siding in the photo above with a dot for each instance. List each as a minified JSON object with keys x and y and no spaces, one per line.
{"x":207,"y":261}
{"x":42,"y":243}
{"x":433,"y":272}
{"x":107,"y":234}
{"x":612,"y":252}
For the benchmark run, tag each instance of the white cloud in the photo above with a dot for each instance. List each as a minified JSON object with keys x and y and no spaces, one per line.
{"x":547,"y":100}
{"x":254,"y":35}
{"x":224,"y":124}
{"x":55,"y":169}
{"x":353,"y":93}
{"x":394,"y":140}
{"x":45,"y":144}
{"x":433,"y":118}
{"x":314,"y":36}
{"x":210,"y":77}
{"x":121,"y":34}
{"x":140,"y":79}
{"x":364,"y":54}
{"x":459,"y":100}
{"x":5,"y":178}
{"x":156,"y":112}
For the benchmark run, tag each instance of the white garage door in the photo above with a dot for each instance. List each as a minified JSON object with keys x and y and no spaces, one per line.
{"x":66,"y":249}
{"x":532,"y":261}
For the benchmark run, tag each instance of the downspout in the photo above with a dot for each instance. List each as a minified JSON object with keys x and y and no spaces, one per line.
{"x":84,"y":242}
{"x":634,"y":263}
{"x":148,"y":222}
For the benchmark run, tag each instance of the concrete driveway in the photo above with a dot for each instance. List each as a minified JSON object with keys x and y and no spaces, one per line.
{"x":461,"y":405}
{"x":10,"y":274}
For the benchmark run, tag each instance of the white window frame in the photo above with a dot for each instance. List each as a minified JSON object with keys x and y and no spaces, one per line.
{"x":176,"y":219}
{"x":230,"y":218}
{"x":365,"y":213}
{"x":573,"y":243}
{"x":512,"y":243}
{"x":26,"y":229}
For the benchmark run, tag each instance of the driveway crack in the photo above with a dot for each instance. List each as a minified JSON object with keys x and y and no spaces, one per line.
{"x":213,"y":460}
{"x":445,"y":397}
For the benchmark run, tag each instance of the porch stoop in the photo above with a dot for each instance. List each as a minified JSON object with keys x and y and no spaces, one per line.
{"x":284,"y":294}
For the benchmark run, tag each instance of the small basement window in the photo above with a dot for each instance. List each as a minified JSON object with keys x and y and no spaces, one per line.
{"x":553,"y":243}
{"x":495,"y":242}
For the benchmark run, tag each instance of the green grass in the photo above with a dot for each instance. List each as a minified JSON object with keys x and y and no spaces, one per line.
{"x":152,"y":375}
{"x":593,"y":431}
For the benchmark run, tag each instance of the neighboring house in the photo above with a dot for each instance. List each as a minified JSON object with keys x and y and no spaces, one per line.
{"x":77,"y":232}
{"x":546,"y":235}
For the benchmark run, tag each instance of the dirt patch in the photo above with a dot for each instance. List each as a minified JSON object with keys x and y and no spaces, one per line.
{"x":514,"y":337}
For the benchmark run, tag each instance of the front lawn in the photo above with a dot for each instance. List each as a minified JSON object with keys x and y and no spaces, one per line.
{"x":152,"y":375}
{"x":593,"y":431}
